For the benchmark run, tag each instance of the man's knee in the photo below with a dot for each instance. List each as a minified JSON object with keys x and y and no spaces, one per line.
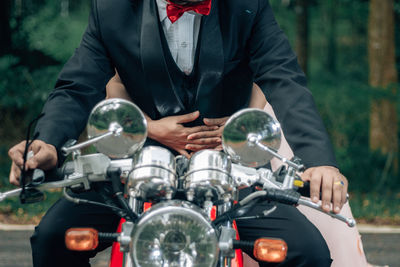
{"x":47,"y":237}
{"x":310,"y":248}
{"x":316,"y":252}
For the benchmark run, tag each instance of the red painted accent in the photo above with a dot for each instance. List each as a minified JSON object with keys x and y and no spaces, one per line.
{"x":117,"y":258}
{"x":238,"y":260}
{"x":213,"y":214}
{"x":147,"y":205}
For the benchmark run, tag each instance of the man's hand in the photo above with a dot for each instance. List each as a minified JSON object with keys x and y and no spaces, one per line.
{"x":45,"y":158}
{"x":212,"y":138}
{"x":331,"y":183}
{"x":170,"y":132}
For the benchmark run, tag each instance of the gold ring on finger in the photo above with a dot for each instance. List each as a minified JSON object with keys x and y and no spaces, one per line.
{"x":339,"y":183}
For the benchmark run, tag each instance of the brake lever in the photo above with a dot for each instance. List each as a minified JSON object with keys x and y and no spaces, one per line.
{"x":305,"y":202}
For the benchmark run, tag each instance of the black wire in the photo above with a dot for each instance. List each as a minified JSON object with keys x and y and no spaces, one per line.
{"x":28,"y":142}
{"x":85,"y":201}
{"x":114,"y":174}
{"x":105,"y":190}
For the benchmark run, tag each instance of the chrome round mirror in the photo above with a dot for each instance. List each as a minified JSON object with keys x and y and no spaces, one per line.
{"x":247,"y":133}
{"x":122,"y":122}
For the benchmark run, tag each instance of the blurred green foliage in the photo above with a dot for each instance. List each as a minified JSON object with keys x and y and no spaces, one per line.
{"x":54,"y":32}
{"x":45,"y":34}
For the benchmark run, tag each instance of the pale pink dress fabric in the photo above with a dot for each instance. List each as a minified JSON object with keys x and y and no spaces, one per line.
{"x":344,"y":242}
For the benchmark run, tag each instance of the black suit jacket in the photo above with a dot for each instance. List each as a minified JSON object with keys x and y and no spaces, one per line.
{"x":240,"y":43}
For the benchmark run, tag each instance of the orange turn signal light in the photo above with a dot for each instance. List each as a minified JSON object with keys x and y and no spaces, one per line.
{"x":81,"y":239}
{"x":270,"y":250}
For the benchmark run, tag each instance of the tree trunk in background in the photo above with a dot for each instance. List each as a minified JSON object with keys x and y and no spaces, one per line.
{"x":5,"y":29}
{"x":383,"y":76}
{"x":302,"y":33}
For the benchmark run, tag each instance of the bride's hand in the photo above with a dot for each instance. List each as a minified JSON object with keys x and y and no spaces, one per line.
{"x":170,"y":131}
{"x":207,"y":139}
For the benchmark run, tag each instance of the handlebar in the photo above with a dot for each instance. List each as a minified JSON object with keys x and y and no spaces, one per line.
{"x":291,"y":197}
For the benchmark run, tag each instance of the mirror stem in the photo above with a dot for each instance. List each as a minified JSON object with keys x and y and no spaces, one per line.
{"x":255,"y":140}
{"x":114,"y":130}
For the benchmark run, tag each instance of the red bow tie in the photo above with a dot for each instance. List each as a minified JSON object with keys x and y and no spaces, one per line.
{"x":175,"y":11}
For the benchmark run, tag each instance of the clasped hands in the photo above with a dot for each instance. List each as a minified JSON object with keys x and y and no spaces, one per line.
{"x":324,"y":180}
{"x":170,"y":131}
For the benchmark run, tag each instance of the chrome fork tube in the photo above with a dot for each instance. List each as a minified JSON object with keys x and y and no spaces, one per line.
{"x":225,"y":261}
{"x":134,"y":204}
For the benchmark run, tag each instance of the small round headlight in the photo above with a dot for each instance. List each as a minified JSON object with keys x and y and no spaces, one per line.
{"x":174,"y":233}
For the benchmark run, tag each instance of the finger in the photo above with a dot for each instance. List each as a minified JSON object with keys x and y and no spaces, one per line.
{"x":184,"y":153}
{"x":344,"y":192}
{"x":193,"y":147}
{"x":35,"y":160}
{"x":315,"y":186}
{"x":306,"y":176}
{"x":214,"y":141}
{"x":327,"y":183}
{"x":206,"y":134}
{"x":337,"y":195}
{"x":215,"y":121}
{"x":16,"y":154}
{"x":218,"y":148}
{"x":15,"y":173}
{"x":188,"y":117}
{"x":201,"y":129}
{"x":43,"y":158}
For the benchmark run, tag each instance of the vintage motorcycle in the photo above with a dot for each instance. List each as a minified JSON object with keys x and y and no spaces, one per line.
{"x":176,"y":212}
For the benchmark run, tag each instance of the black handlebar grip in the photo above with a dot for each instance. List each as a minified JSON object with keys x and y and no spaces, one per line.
{"x":289,"y":196}
{"x":57,"y":174}
{"x":305,"y":190}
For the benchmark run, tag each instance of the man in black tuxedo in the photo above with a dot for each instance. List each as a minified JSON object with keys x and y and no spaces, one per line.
{"x":239,"y":42}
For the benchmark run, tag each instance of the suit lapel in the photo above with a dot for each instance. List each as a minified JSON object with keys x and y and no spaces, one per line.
{"x":211,"y":62}
{"x":155,"y":68}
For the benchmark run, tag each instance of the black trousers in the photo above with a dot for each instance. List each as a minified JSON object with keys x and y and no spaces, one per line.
{"x":306,"y":246}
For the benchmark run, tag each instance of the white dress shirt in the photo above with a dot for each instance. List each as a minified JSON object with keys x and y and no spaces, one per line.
{"x":181,"y":36}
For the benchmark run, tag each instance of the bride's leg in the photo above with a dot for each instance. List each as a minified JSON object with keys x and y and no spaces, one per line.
{"x":344,"y":242}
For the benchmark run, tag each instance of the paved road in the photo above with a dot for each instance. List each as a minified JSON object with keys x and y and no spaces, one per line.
{"x":381,"y":249}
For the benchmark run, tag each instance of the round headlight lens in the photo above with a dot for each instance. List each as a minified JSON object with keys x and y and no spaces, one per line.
{"x":174,"y":233}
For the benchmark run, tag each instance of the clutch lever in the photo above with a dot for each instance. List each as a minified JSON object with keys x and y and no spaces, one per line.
{"x":11,"y":193}
{"x":38,"y":178}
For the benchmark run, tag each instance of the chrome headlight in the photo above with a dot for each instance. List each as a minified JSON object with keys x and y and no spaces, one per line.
{"x":174,"y":233}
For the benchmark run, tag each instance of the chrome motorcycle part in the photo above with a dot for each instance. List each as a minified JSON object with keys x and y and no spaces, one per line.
{"x":153,"y":173}
{"x":125,"y":165}
{"x":125,"y":237}
{"x":174,"y":233}
{"x":208,"y":176}
{"x":240,"y":131}
{"x":113,"y":130}
{"x":123,"y":125}
{"x":11,"y":193}
{"x":228,"y":234}
{"x":94,"y":166}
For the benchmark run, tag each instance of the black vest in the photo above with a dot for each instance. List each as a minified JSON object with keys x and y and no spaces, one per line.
{"x":183,"y":84}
